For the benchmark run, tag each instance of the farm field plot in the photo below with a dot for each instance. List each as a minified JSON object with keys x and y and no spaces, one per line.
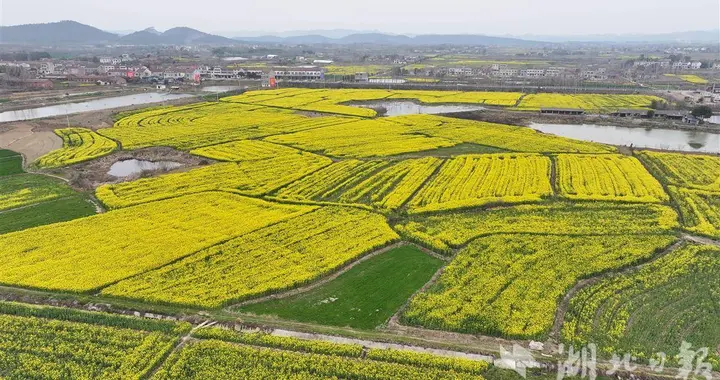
{"x":511,"y":285}
{"x":53,"y":211}
{"x":332,"y":101}
{"x":48,"y":343}
{"x":246,"y":177}
{"x":191,"y":127}
{"x":700,"y":210}
{"x":453,"y":229}
{"x":365,"y":138}
{"x":689,"y":78}
{"x":26,"y":189}
{"x":88,"y":253}
{"x":588,"y":102}
{"x":79,"y":145}
{"x":217,"y":359}
{"x":606,"y":177}
{"x":351,"y":70}
{"x":476,"y":180}
{"x":244,"y":150}
{"x":653,"y":309}
{"x":684,"y":170}
{"x":386,"y":185}
{"x":326,"y":184}
{"x":417,"y":359}
{"x":391,"y":187}
{"x":10,"y":163}
{"x":507,"y":99}
{"x":282,"y":256}
{"x":31,"y":200}
{"x":507,"y":137}
{"x":364,"y":297}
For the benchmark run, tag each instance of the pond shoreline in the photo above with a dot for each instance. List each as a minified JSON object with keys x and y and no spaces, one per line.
{"x":526,"y":118}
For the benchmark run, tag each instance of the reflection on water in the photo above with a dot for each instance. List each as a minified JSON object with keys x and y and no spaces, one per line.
{"x":666,"y":139}
{"x":91,"y":105}
{"x":127,"y":168}
{"x":399,"y":108}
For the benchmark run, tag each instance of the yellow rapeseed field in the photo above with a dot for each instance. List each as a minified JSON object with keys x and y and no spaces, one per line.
{"x":366,"y":138}
{"x":510,"y":285}
{"x":686,"y":170}
{"x":87,"y":253}
{"x":507,"y":137}
{"x":700,"y":210}
{"x":477,"y":180}
{"x":689,"y":78}
{"x":454,"y":229}
{"x":79,"y":144}
{"x":392,"y":187}
{"x":247,"y":177}
{"x":588,"y":102}
{"x":283,"y":256}
{"x":606,"y":177}
{"x":207,"y":124}
{"x":244,"y":150}
{"x":326,"y":184}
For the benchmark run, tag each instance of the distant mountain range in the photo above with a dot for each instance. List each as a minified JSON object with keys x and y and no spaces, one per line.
{"x":700,"y":36}
{"x":71,"y":32}
{"x":390,"y":39}
{"x":174,"y":36}
{"x":63,"y":32}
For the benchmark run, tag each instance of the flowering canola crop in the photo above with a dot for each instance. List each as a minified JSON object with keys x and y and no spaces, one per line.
{"x":670,"y":300}
{"x":79,"y":144}
{"x":282,"y":256}
{"x":246,"y":177}
{"x":510,"y":285}
{"x":606,"y":177}
{"x":476,"y":180}
{"x":85,"y":254}
{"x":454,"y":229}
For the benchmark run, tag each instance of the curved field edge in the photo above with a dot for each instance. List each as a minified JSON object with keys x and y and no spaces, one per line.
{"x":532,"y":275}
{"x":364,"y":296}
{"x":79,"y":145}
{"x":282,"y":256}
{"x":74,"y":255}
{"x":651,"y":308}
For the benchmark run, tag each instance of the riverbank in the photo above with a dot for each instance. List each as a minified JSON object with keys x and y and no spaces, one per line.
{"x":525,"y":119}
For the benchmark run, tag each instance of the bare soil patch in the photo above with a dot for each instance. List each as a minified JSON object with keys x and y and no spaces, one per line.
{"x":89,"y":175}
{"x":29,"y":140}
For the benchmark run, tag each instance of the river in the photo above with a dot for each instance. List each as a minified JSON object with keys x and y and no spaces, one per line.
{"x":655,"y":138}
{"x":88,"y":106}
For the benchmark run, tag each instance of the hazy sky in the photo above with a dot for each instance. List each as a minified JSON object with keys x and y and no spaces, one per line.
{"x":497,"y":17}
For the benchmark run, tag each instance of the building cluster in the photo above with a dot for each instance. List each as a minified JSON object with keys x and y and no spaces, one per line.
{"x":669,"y":65}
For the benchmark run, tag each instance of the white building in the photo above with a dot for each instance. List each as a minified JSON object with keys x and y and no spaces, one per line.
{"x":533,"y":73}
{"x":173,"y":75}
{"x":47,"y":68}
{"x":110,"y":60}
{"x":142,"y":72}
{"x":299,"y":73}
{"x":506,"y":73}
{"x":460,"y":71}
{"x":554,"y":71}
{"x":599,"y":74}
{"x":695,"y":65}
